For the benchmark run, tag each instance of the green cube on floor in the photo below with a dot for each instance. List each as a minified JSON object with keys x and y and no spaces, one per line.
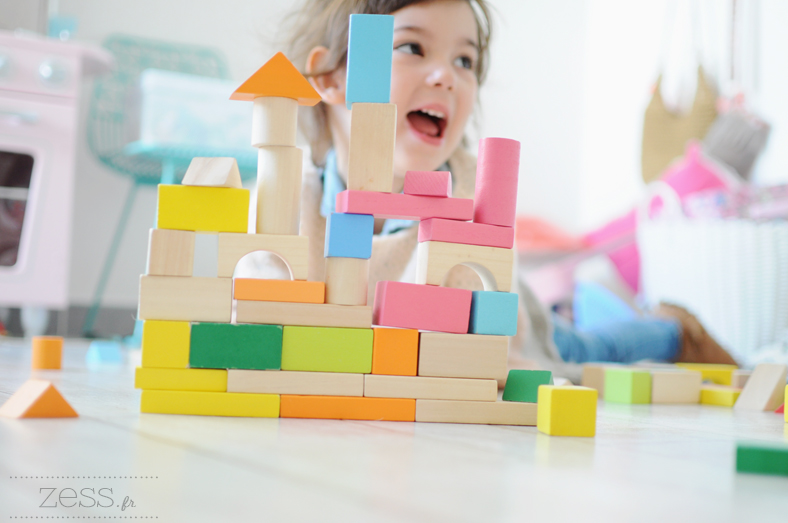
{"x":762,"y":458}
{"x":227,"y":346}
{"x":627,"y":386}
{"x":327,"y":349}
{"x":523,"y":385}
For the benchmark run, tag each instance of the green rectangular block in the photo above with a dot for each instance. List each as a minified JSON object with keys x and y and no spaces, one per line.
{"x":327,"y":349}
{"x":762,"y":458}
{"x":523,"y":385}
{"x":627,"y":386}
{"x":227,"y":346}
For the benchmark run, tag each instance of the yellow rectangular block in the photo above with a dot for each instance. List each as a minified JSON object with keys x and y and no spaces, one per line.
{"x":715,"y":372}
{"x":566,"y":411}
{"x":417,"y":387}
{"x":208,"y":380}
{"x":295,"y":382}
{"x":210,"y":403}
{"x":205,"y":209}
{"x":170,"y":253}
{"x":165,"y":344}
{"x":492,"y":264}
{"x":477,"y":412}
{"x":177,"y":298}
{"x":720,"y":395}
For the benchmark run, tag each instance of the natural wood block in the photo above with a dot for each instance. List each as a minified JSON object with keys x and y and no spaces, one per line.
{"x":404,"y":206}
{"x":740,"y":377}
{"x":279,"y":290}
{"x":177,"y":298}
{"x":478,"y":412}
{"x":369,"y":57}
{"x":764,"y":389}
{"x":278,"y":189}
{"x":497,"y":173}
{"x":395,"y":351}
{"x":198,"y":403}
{"x":228,"y":346}
{"x":293,"y":249}
{"x":209,"y":380}
{"x":373,"y":129}
{"x":762,"y":458}
{"x":566,"y":411}
{"x":493,"y":265}
{"x":274,"y":121}
{"x":213,"y":172}
{"x":325,"y":349}
{"x":428,"y":183}
{"x":594,"y":377}
{"x":469,"y":233}
{"x":303,"y":314}
{"x":343,"y":407}
{"x":523,"y":385}
{"x":165,"y":344}
{"x":719,"y":395}
{"x":630,"y":386}
{"x":291,"y":382}
{"x":277,"y":77}
{"x":37,"y":399}
{"x":206,"y":209}
{"x":47,"y":352}
{"x":679,"y":386}
{"x":347,"y":281}
{"x":418,"y":387}
{"x":424,"y":307}
{"x":463,"y":355}
{"x":718,"y":373}
{"x":170,"y":253}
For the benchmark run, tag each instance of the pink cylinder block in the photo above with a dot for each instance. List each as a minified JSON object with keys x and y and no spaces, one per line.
{"x":497,"y":171}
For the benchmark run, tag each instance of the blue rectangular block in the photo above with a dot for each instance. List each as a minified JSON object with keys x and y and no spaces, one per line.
{"x":370,"y":45}
{"x":349,"y":235}
{"x":493,"y":313}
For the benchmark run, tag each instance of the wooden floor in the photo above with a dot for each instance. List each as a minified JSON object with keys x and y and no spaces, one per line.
{"x":647,"y":463}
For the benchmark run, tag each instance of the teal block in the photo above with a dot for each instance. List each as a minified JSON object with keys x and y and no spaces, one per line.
{"x":227,"y":346}
{"x":494,"y":313}
{"x":523,"y":385}
{"x":370,"y":45}
{"x":627,"y":386}
{"x":349,"y":235}
{"x":762,"y":458}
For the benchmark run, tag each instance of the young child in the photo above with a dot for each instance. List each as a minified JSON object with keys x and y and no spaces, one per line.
{"x":440,"y":57}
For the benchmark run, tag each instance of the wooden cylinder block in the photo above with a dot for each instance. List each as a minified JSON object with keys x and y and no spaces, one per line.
{"x":278,"y":189}
{"x":274,"y":121}
{"x":347,"y":281}
{"x":47,"y":352}
{"x":497,"y":171}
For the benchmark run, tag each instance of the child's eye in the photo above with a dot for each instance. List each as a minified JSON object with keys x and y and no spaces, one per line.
{"x":411,"y":48}
{"x":464,"y":61}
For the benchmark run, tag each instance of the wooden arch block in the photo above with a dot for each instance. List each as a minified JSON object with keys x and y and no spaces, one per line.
{"x":494,"y":266}
{"x":294,"y":250}
{"x":213,"y":172}
{"x":37,"y":399}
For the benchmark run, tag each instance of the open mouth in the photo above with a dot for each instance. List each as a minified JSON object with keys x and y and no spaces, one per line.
{"x":428,"y":122}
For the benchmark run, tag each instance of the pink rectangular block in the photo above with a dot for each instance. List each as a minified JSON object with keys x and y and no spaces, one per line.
{"x":405,"y":206}
{"x":428,"y":183}
{"x":497,"y":170}
{"x":424,"y":307}
{"x":468,"y":233}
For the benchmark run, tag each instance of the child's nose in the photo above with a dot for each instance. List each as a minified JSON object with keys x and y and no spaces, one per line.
{"x":441,"y":75}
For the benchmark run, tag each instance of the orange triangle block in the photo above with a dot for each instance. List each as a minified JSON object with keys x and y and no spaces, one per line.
{"x":278,"y":77}
{"x":37,"y":399}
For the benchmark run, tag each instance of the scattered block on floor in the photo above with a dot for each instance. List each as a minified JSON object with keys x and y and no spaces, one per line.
{"x":342,"y":407}
{"x":277,"y":77}
{"x":493,"y":265}
{"x":279,"y":290}
{"x":424,"y":307}
{"x":165,"y":344}
{"x":468,"y":233}
{"x":762,"y":458}
{"x":463,"y":355}
{"x":714,"y":372}
{"x":566,"y":411}
{"x":497,"y":173}
{"x":213,"y":172}
{"x":428,"y":183}
{"x":594,"y":377}
{"x":765,"y":388}
{"x":170,"y":253}
{"x":278,"y":189}
{"x":477,"y":412}
{"x":205,"y":209}
{"x":370,"y":40}
{"x":349,"y":235}
{"x":523,"y":385}
{"x":780,"y":409}
{"x":347,"y":281}
{"x":373,"y":129}
{"x":104,"y":352}
{"x":198,"y":403}
{"x":176,"y":298}
{"x":303,"y":314}
{"x":37,"y":399}
{"x":47,"y":352}
{"x":274,"y":121}
{"x":208,"y":380}
{"x":404,"y":206}
{"x":228,"y":346}
{"x":719,"y":395}
{"x":419,"y":387}
{"x":290,"y":382}
{"x":740,"y":377}
{"x":293,"y":249}
{"x":679,"y":386}
{"x":325,"y":349}
{"x":494,"y":313}
{"x":395,"y":351}
{"x":630,"y":386}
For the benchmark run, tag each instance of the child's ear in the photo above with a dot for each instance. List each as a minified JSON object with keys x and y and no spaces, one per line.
{"x":330,"y":86}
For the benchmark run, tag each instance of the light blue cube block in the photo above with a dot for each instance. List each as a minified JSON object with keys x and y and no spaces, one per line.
{"x":494,"y":313}
{"x":349,"y":236}
{"x":370,"y":45}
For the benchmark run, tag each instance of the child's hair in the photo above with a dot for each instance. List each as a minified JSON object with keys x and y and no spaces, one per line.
{"x":325,"y":23}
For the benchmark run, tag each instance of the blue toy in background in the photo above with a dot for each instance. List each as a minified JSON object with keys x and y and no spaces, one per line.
{"x":594,"y":305}
{"x":370,"y":40}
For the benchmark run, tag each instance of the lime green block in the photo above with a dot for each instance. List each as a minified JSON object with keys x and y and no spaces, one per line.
{"x":762,"y":458}
{"x":523,"y":385}
{"x":627,"y":386}
{"x":227,"y":346}
{"x":327,"y":349}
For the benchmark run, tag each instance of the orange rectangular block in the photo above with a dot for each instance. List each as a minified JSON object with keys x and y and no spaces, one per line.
{"x":290,"y":291}
{"x":395,"y":351}
{"x":347,"y":407}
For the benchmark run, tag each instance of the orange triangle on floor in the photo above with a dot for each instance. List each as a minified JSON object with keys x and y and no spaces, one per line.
{"x":37,"y":399}
{"x":278,"y":77}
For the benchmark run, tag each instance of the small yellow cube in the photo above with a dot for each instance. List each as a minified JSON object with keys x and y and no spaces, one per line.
{"x":165,"y":344}
{"x":720,"y":395}
{"x":566,"y":411}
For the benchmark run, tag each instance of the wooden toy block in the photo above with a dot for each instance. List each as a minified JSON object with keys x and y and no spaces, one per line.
{"x":327,"y":349}
{"x":370,"y":41}
{"x":294,"y":250}
{"x":347,"y":281}
{"x":373,"y":128}
{"x":395,"y":351}
{"x":277,"y":77}
{"x":279,"y":290}
{"x":762,"y":458}
{"x":418,"y":387}
{"x":497,"y":172}
{"x":165,"y":344}
{"x":424,"y":307}
{"x":302,"y":383}
{"x":493,"y":265}
{"x":494,"y":313}
{"x":720,"y":395}
{"x":679,"y":386}
{"x":47,"y":352}
{"x":207,"y":209}
{"x":343,"y":407}
{"x":404,"y":206}
{"x":104,"y":352}
{"x":477,"y":412}
{"x":428,"y":183}
{"x":468,"y":233}
{"x":349,"y":235}
{"x":781,"y":409}
{"x":274,"y":121}
{"x":566,"y":411}
{"x":740,"y":377}
{"x":630,"y":386}
{"x":278,"y":189}
{"x":765,"y":388}
{"x":523,"y":385}
{"x":786,"y":401}
{"x":303,"y":314}
{"x":463,"y":355}
{"x":213,"y":172}
{"x":37,"y":399}
{"x":227,"y":346}
{"x":198,"y":403}
{"x":206,"y":255}
{"x":714,"y":372}
{"x":170,"y":253}
{"x":176,"y":298}
{"x":594,"y":378}
{"x":208,"y":380}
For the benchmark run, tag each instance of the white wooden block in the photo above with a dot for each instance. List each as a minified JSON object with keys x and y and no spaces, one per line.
{"x":293,"y":249}
{"x":303,"y":314}
{"x":347,"y":281}
{"x":765,"y":388}
{"x":492,"y":264}
{"x":274,"y":121}
{"x":213,"y":172}
{"x":177,"y":298}
{"x":170,"y":253}
{"x":293,"y":382}
{"x":278,"y":189}
{"x":206,"y":255}
{"x":381,"y":386}
{"x":463,"y":355}
{"x":675,"y":386}
{"x":478,"y":412}
{"x":373,"y":129}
